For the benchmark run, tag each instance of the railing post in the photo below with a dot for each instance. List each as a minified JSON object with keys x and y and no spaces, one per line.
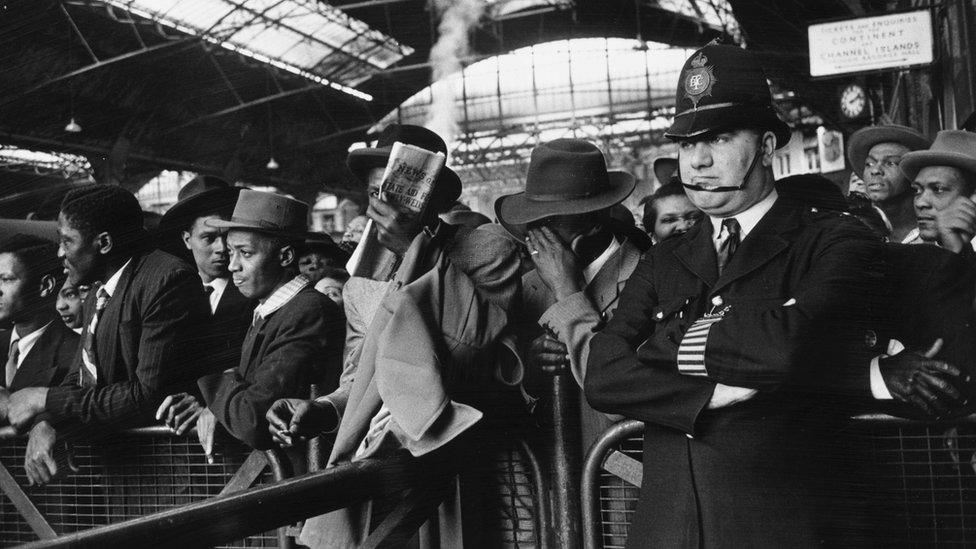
{"x":565,"y":453}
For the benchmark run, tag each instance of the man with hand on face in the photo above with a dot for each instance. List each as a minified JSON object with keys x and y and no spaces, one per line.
{"x":742,"y":345}
{"x":944,"y":180}
{"x":184,"y":228}
{"x":580,"y":265}
{"x":875,"y":153}
{"x":38,"y":349}
{"x":295,"y":338}
{"x":141,"y":335}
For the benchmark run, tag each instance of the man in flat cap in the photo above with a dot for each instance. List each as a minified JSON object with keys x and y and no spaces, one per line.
{"x":875,"y":153}
{"x":742,"y":345}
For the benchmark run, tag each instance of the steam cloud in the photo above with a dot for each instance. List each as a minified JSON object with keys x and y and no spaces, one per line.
{"x":457,"y":18}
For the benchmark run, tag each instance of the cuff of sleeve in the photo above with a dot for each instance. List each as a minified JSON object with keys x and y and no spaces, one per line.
{"x":567,"y":310}
{"x":54,"y":402}
{"x":878,"y":388}
{"x":327,"y":400}
{"x":691,"y":351}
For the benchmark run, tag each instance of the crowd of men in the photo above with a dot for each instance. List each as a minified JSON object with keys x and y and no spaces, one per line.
{"x":755,"y":320}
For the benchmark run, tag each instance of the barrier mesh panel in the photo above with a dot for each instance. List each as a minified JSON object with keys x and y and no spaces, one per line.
{"x":930,"y":470}
{"x":123,"y":477}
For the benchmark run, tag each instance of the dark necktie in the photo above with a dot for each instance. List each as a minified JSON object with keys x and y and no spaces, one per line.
{"x":89,"y":374}
{"x":731,"y":229}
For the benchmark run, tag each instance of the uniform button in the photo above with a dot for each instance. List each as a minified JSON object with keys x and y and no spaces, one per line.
{"x":659,"y":315}
{"x":814,"y":210}
{"x":689,"y":436}
{"x":717,"y":301}
{"x":870,"y":338}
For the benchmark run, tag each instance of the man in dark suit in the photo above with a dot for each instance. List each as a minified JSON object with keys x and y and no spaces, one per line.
{"x":38,"y":349}
{"x":744,"y":344}
{"x":296,"y":335}
{"x":141,"y":336}
{"x":184,"y":228}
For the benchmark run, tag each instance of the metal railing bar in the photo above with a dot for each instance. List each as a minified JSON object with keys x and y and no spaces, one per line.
{"x":218,"y":520}
{"x":24,"y":505}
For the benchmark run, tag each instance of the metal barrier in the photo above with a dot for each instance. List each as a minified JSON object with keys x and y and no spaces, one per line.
{"x":129,"y":474}
{"x":932,"y":465}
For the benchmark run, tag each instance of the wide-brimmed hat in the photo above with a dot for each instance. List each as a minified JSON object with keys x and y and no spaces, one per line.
{"x":360,"y":161}
{"x":321,"y":242}
{"x":565,"y":177}
{"x":203,"y":195}
{"x":863,"y":139}
{"x":268,"y":213}
{"x":723,"y":87}
{"x":955,"y":148}
{"x":665,"y":167}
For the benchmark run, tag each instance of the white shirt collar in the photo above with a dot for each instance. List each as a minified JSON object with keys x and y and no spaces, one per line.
{"x":590,"y":271}
{"x":281,"y":297}
{"x":25,"y":343}
{"x":218,"y":285}
{"x":747,"y":219}
{"x":113,"y":281}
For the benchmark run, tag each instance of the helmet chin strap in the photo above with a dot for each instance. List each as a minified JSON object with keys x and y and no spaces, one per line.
{"x":729,"y":189}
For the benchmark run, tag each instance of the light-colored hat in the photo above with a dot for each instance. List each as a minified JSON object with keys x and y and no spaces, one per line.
{"x":267,"y":213}
{"x":863,"y":139}
{"x":955,"y":148}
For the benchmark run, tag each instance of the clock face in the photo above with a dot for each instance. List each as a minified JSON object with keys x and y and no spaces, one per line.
{"x":852,"y":101}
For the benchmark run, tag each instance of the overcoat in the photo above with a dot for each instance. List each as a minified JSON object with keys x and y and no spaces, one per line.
{"x":797,"y":308}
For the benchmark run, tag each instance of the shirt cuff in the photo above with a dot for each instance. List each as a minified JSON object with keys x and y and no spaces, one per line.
{"x":878,"y":388}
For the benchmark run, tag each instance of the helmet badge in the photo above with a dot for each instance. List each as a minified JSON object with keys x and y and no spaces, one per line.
{"x":699,"y":80}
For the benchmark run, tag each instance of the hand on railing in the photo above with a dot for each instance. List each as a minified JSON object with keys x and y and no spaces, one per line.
{"x":179,"y":412}
{"x":923,"y":381}
{"x":548,"y":355}
{"x":39,"y":459}
{"x":291,"y":418}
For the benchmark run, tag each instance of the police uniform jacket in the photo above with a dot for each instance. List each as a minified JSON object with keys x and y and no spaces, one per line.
{"x":796,"y":300}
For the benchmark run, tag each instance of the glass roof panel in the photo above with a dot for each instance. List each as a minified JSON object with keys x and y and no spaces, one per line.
{"x":293,"y":34}
{"x":499,"y":8}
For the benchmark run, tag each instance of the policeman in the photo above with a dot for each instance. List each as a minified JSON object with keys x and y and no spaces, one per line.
{"x":743,"y":344}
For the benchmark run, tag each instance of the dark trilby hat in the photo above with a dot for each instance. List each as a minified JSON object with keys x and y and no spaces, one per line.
{"x":863,"y":139}
{"x":566,"y":177}
{"x":203,"y":195}
{"x":955,"y":148}
{"x":321,"y":242}
{"x":268,"y":213}
{"x":723,"y":87}
{"x":360,"y":161}
{"x":665,"y":168}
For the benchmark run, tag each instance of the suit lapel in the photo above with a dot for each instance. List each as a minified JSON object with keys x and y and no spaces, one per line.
{"x":763,"y":243}
{"x":40,"y":359}
{"x":609,"y":280}
{"x":107,"y":330}
{"x":698,"y":254}
{"x":252,"y":343}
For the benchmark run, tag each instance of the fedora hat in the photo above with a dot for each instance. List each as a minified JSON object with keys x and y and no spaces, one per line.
{"x":955,"y":148}
{"x":203,"y":195}
{"x":565,"y":177}
{"x":863,"y":139}
{"x":269,"y":213}
{"x":665,"y":168}
{"x":321,"y":242}
{"x":360,"y":161}
{"x":723,"y":87}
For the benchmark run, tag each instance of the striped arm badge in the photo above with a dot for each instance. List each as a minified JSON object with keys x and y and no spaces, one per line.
{"x":691,"y":351}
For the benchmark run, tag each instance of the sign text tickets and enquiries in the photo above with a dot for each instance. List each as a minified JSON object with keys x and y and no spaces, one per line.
{"x":871,"y":43}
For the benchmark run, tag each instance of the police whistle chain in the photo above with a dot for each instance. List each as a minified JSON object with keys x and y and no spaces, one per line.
{"x":728,"y":189}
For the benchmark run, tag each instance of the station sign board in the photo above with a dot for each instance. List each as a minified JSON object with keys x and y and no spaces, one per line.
{"x":890,"y":41}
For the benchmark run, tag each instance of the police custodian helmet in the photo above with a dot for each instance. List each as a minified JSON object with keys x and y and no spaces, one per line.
{"x":723,"y":87}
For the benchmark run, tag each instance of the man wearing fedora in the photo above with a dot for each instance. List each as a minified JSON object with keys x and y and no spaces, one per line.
{"x":580,"y":264}
{"x":184,"y":229}
{"x":295,"y":334}
{"x":742,"y":345}
{"x":141,"y":336}
{"x":944,"y":180}
{"x":875,"y":153}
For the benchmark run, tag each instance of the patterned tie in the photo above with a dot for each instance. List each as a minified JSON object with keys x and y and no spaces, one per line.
{"x":89,"y":373}
{"x":731,"y":229}
{"x":12,"y":357}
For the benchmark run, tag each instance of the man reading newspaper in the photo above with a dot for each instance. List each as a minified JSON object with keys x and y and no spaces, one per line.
{"x":428,"y":367}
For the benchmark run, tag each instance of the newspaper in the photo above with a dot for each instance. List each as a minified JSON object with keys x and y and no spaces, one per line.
{"x":407,"y":182}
